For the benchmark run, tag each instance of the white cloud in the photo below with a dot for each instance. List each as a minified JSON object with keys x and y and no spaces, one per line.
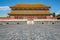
{"x":4,"y":8}
{"x":58,"y":12}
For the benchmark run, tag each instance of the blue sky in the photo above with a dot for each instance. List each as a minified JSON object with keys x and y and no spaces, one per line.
{"x":4,"y":5}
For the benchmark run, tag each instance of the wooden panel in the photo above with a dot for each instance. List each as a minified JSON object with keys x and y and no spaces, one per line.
{"x":18,"y":17}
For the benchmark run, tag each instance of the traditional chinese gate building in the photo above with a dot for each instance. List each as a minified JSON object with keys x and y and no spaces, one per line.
{"x":30,"y":11}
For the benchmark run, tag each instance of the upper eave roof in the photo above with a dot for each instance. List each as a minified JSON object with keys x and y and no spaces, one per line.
{"x":30,"y":6}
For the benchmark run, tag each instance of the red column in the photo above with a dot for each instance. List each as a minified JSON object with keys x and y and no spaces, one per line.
{"x":48,"y":17}
{"x":12,"y":17}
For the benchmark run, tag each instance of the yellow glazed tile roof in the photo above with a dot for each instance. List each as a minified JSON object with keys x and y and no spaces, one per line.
{"x":30,"y":6}
{"x":30,"y":13}
{"x":58,"y":17}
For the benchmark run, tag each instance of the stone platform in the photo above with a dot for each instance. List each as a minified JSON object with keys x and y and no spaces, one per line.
{"x":20,"y":30}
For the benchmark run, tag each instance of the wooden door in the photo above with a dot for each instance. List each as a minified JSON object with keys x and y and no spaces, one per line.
{"x":30,"y":17}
